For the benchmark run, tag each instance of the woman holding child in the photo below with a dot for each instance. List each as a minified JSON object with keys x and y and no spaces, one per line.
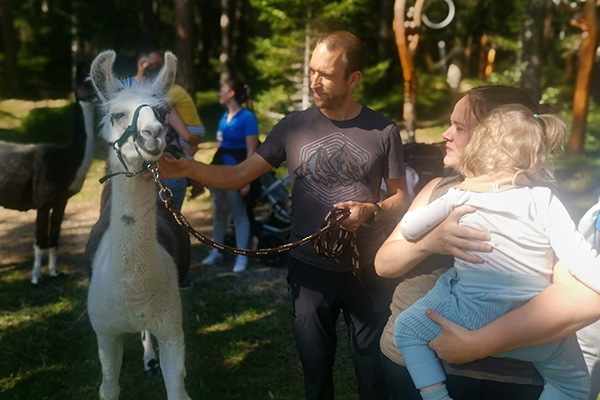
{"x":489,"y":378}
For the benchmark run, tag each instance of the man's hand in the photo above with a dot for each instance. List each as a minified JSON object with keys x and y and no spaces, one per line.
{"x":359,"y":213}
{"x":453,"y":343}
{"x":450,"y":238}
{"x":170,"y":167}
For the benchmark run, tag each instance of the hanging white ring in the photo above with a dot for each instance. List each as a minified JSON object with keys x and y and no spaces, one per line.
{"x":445,"y":22}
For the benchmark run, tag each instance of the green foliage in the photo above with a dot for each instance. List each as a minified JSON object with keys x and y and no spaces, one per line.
{"x":49,"y":125}
{"x":42,"y":125}
{"x":210,"y":111}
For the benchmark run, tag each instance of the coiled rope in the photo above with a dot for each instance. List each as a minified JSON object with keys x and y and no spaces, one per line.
{"x":326,"y":245}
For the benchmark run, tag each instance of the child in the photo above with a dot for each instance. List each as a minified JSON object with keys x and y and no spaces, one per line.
{"x":506,"y":169}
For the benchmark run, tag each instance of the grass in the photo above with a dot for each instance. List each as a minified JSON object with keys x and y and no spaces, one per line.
{"x":238,"y":334}
{"x":239,"y":343}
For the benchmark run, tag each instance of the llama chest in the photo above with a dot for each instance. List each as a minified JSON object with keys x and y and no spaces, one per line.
{"x":132,"y":294}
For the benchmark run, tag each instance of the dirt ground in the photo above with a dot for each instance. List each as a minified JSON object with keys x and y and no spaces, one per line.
{"x":580,"y":190}
{"x":17,"y":239}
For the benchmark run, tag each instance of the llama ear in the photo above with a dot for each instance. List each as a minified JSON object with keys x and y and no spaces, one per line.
{"x":166,"y":77}
{"x":102,"y":76}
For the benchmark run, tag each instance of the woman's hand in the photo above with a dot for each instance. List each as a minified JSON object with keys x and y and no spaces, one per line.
{"x":451,"y":238}
{"x":455,"y":343}
{"x":244,"y":191}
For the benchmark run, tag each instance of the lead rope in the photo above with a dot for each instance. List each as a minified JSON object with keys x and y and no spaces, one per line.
{"x":326,"y":246}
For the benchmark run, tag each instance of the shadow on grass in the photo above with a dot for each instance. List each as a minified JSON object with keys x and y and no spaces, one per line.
{"x":239,"y":342}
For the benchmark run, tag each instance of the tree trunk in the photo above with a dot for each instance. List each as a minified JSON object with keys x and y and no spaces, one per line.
{"x":306,"y":69}
{"x":483,"y":54}
{"x":581,"y":97}
{"x":407,"y":42}
{"x":184,"y":44}
{"x":149,"y":22}
{"x":11,"y":71}
{"x":384,"y":29}
{"x":225,"y":56}
{"x":533,"y":48}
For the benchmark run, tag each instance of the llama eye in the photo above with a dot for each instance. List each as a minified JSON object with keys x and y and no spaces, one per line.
{"x":116,"y":116}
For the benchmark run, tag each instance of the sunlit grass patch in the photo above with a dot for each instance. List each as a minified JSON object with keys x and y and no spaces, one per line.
{"x":236,"y":320}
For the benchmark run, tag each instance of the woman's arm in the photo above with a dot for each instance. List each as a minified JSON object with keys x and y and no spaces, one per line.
{"x":397,"y":255}
{"x":251,"y":146}
{"x":558,"y":311}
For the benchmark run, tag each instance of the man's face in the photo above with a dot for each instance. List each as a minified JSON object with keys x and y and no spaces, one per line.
{"x":151,"y":61}
{"x":327,"y":78}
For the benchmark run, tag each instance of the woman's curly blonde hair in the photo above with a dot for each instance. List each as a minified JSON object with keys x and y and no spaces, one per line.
{"x":513,"y":139}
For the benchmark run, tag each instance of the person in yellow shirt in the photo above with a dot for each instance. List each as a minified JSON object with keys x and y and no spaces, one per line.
{"x":192,"y":130}
{"x":185,"y":121}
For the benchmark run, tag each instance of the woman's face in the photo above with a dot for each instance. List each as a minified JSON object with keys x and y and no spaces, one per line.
{"x":225,"y":94}
{"x":457,"y":136}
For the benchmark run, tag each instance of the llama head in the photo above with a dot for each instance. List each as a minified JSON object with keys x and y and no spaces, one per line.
{"x":85,"y":92}
{"x":133,"y":113}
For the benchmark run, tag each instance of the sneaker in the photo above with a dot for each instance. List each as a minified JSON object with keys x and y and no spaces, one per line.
{"x":186,"y":284}
{"x":241,"y":263}
{"x":213,"y":257}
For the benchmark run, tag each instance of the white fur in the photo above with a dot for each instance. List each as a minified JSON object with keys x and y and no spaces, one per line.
{"x":134,"y":281}
{"x":88,"y":117}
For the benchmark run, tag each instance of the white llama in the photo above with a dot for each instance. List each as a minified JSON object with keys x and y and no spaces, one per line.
{"x":133,"y":286}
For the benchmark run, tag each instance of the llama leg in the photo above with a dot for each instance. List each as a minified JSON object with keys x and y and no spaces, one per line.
{"x":151,"y":366}
{"x":52,"y":262}
{"x":110,"y":349}
{"x":56,"y":218}
{"x":172,"y":354}
{"x":36,"y":273}
{"x":41,"y":243}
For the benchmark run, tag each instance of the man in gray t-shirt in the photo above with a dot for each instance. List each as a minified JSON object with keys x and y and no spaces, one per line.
{"x":337,"y":152}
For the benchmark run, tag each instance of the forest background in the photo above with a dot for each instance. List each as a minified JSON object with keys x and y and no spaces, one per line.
{"x":547,"y":47}
{"x":239,"y":343}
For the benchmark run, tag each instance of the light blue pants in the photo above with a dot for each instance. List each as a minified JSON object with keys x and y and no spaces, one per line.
{"x":178,"y":187}
{"x":473,"y":299}
{"x":225,"y":201}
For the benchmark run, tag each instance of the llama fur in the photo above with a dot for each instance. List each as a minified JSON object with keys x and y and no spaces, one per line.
{"x":44,"y":176}
{"x":134,"y":282}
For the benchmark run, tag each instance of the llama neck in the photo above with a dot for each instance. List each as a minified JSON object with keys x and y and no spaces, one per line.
{"x":133,"y":222}
{"x":84,"y":126}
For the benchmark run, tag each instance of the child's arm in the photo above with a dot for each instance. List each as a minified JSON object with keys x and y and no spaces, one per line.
{"x":176,"y":123}
{"x":416,"y":223}
{"x":397,"y":255}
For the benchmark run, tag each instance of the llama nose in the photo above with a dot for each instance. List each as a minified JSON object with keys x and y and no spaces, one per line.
{"x":154,"y":130}
{"x":152,"y":137}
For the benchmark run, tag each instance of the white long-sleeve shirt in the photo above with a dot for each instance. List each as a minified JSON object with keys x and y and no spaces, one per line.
{"x":527,"y":226}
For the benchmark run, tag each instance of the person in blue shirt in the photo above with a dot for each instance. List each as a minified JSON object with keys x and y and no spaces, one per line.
{"x":238,"y":138}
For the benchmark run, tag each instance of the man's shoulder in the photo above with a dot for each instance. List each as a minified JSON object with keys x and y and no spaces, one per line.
{"x":372,"y":114}
{"x":376,"y":119}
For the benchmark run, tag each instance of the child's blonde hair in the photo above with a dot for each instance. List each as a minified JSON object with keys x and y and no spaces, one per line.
{"x":513,"y":139}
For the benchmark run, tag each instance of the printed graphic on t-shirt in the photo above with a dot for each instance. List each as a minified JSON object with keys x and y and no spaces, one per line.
{"x":333,"y":169}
